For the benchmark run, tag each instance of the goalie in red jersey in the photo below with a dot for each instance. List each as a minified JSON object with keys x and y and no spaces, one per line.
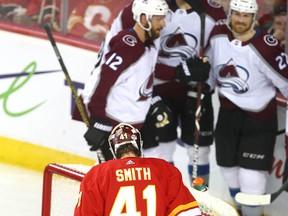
{"x":133,"y":185}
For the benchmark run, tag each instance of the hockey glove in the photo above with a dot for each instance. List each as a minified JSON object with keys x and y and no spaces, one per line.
{"x":193,"y":69}
{"x":159,"y":114}
{"x":97,"y":134}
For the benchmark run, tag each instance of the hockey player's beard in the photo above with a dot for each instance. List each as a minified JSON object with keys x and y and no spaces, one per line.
{"x":240,"y":28}
{"x":152,"y":34}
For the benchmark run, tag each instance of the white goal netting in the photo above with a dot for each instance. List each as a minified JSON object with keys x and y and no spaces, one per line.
{"x":61,"y":186}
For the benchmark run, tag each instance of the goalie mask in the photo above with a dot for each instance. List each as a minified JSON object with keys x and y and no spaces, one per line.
{"x":124,"y":134}
{"x":149,"y":8}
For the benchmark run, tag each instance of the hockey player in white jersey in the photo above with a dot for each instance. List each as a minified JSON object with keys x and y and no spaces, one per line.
{"x":120,"y":87}
{"x":247,"y":66}
{"x":180,"y":42}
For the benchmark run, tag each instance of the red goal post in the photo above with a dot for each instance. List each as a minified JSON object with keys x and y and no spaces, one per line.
{"x":63,"y":175}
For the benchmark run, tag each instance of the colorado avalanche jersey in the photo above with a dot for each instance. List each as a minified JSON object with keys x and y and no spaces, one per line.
{"x":120,"y":88}
{"x":180,"y":40}
{"x":247,"y":72}
{"x":124,"y":20}
{"x":135,"y":186}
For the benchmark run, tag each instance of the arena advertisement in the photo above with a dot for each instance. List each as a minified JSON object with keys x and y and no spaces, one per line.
{"x":36,"y":102}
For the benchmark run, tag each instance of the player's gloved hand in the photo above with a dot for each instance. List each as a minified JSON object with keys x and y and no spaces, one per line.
{"x":97,"y":134}
{"x":159,"y":114}
{"x":194,"y":69}
{"x":191,"y":102}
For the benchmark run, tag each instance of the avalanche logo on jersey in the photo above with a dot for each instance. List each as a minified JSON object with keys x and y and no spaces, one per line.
{"x":129,"y":40}
{"x":214,"y":4}
{"x":270,"y":40}
{"x":145,"y":90}
{"x":232,"y":76}
{"x":178,"y":44}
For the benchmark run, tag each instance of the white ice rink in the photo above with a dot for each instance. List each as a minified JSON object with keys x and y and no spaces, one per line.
{"x":20,"y":191}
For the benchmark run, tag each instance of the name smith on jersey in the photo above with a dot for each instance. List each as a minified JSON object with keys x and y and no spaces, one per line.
{"x":132,"y":174}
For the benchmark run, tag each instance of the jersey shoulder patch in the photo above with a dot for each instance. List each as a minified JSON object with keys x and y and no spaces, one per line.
{"x":213,"y":9}
{"x":127,"y":17}
{"x":127,"y":44}
{"x":220,"y":28}
{"x":270,"y":49}
{"x":125,"y":38}
{"x":124,"y":49}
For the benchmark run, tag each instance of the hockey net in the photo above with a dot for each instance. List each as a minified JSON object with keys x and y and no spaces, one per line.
{"x":61,"y":186}
{"x":60,"y":190}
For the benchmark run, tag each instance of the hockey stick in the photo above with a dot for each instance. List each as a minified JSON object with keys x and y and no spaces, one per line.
{"x":71,"y":85}
{"x":280,"y":132}
{"x":256,"y":200}
{"x":198,"y":8}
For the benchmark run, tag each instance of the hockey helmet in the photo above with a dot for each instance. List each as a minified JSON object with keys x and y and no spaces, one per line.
{"x":123,"y":134}
{"x":149,"y":8}
{"x":244,"y":6}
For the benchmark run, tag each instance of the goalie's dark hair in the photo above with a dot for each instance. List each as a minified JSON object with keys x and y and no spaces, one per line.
{"x":126,"y":150}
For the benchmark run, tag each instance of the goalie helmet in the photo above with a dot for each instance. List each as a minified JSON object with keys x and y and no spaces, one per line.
{"x":123,"y":134}
{"x":149,"y":8}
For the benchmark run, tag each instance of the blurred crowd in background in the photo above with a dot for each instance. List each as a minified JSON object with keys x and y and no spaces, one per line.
{"x":88,"y":19}
{"x":91,"y":19}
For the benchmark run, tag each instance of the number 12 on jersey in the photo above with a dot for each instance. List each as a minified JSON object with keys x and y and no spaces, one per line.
{"x":114,"y":61}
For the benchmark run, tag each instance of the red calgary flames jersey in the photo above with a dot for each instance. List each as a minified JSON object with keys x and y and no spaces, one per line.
{"x":135,"y":186}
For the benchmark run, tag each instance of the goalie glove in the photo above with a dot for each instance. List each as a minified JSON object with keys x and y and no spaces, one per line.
{"x":159,"y":114}
{"x":194,"y":69}
{"x":97,"y":134}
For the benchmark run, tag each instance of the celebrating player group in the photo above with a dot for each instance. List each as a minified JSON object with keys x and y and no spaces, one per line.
{"x":149,"y":67}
